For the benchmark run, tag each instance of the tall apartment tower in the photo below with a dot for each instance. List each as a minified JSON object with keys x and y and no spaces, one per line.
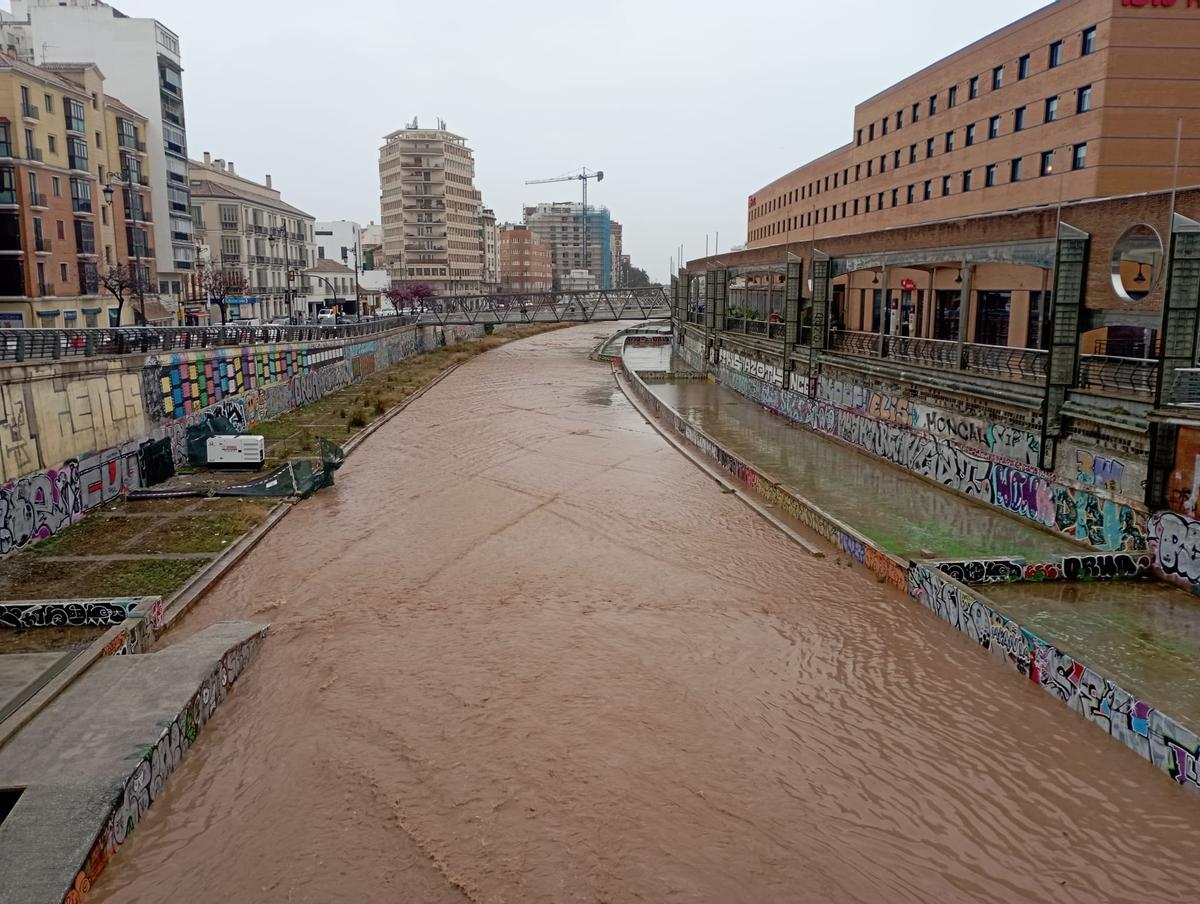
{"x":141,"y":65}
{"x":561,"y":226}
{"x":617,"y":249}
{"x":431,"y":210}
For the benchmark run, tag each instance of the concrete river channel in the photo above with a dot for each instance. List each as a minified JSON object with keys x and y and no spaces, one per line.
{"x":526,"y":651}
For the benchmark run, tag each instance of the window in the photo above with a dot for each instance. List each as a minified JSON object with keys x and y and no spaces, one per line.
{"x":945,"y":186}
{"x":928,"y":148}
{"x":857,"y":172}
{"x":970,"y":135}
{"x":871,"y":132}
{"x":895,"y":197}
{"x":62,"y":270}
{"x":916,"y":112}
{"x":56,"y":186}
{"x":74,"y":115}
{"x":1079,"y":156}
{"x":997,"y":78}
{"x":966,"y":182}
{"x":880,"y":204}
{"x":896,"y":159}
{"x":989,"y":176}
{"x":928,"y":189}
{"x":993,"y":127}
{"x":1047,"y":164}
{"x":856,"y":206}
{"x":1015,"y":171}
{"x":859,"y":141}
{"x":62,"y":231}
{"x":870,"y":163}
{"x":1089,"y":41}
{"x":883,"y":163}
{"x":1051,"y":109}
{"x":912,"y":154}
{"x":77,"y":154}
{"x":973,"y":87}
{"x":1023,"y":68}
{"x":952,"y":99}
{"x":899,"y":119}
{"x":1018,"y":119}
{"x":1056,"y":54}
{"x":885,"y":127}
{"x":1083,"y":102}
{"x":933,"y":105}
{"x":912,"y":193}
{"x":949,"y":142}
{"x":52,"y":144}
{"x":5,"y":140}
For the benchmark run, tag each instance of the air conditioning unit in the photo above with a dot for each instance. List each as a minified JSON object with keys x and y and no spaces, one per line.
{"x":244,"y":451}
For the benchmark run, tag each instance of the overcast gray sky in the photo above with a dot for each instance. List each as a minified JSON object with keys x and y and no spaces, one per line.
{"x":688,"y":107}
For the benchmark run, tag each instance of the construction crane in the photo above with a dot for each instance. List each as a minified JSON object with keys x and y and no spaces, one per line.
{"x":584,"y":176}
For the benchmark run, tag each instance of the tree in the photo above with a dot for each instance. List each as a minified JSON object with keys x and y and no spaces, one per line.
{"x":420,"y":291}
{"x":399,"y":296}
{"x":126,"y":283}
{"x":638,"y":278}
{"x":220,"y":285}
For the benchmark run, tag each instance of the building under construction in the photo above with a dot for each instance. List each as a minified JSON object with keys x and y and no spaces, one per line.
{"x":563,"y":226}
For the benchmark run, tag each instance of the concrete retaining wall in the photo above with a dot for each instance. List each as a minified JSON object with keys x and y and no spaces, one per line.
{"x":71,"y":431}
{"x":1162,"y":740}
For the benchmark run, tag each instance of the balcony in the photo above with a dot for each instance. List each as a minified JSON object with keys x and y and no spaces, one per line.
{"x":75,"y":125}
{"x":38,"y":201}
{"x":6,"y":149}
{"x":81,"y":205}
{"x":45,"y":289}
{"x":169,"y":87}
{"x":85,"y":246}
{"x":230,"y":225}
{"x":29,"y":111}
{"x":42,"y":244}
{"x":8,"y":196}
{"x":78,"y":163}
{"x":36,"y":155}
{"x":231,"y":259}
{"x":408,"y":164}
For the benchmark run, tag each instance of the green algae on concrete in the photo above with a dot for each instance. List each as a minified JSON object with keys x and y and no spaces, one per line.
{"x":904,"y":514}
{"x":1143,"y":635}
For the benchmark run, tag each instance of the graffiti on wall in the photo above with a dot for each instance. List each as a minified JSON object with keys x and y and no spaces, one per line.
{"x":1096,"y":471}
{"x":66,"y":613}
{"x":985,"y":571}
{"x":1034,"y":495}
{"x":761,"y":370}
{"x":146,"y":782}
{"x":39,"y":506}
{"x":1175,"y":540}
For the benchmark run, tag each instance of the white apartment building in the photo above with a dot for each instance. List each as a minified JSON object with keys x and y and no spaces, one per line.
{"x":247,"y":227}
{"x":339,"y":240}
{"x":431,"y":210}
{"x":491,"y":249}
{"x":141,"y":63}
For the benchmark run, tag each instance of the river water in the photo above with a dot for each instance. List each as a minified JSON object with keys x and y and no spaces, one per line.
{"x":526,"y":652}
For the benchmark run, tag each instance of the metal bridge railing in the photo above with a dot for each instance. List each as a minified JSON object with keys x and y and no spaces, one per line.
{"x":1135,"y":377}
{"x":1023,"y":365}
{"x":925,"y":352}
{"x":30,"y":344}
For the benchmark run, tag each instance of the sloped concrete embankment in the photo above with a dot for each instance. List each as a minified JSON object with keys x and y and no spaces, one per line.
{"x":91,"y":763}
{"x":1171,"y":746}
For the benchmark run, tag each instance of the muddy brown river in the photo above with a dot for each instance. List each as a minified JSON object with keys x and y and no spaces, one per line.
{"x":526,"y":652}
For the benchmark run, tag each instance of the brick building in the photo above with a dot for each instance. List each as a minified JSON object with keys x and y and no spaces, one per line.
{"x":525,"y":264}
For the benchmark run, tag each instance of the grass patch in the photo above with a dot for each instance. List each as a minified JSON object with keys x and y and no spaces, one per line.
{"x":208,"y":532}
{"x":101,"y":532}
{"x":145,"y":577}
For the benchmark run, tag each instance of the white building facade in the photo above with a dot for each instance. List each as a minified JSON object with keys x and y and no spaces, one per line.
{"x":141,"y":62}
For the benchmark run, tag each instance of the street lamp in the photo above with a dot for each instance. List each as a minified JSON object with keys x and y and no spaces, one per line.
{"x":126,"y":178}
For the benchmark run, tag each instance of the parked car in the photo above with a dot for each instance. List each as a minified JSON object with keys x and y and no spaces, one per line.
{"x":325,"y":317}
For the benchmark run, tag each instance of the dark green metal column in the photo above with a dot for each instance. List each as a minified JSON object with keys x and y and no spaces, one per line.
{"x":822,"y":286}
{"x":1070,"y":272}
{"x":1181,"y":319}
{"x":791,"y":317}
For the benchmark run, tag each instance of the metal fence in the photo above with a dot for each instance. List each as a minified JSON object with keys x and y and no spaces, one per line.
{"x":1185,"y":387}
{"x":1024,"y":365}
{"x":1110,"y":375}
{"x":25,"y":344}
